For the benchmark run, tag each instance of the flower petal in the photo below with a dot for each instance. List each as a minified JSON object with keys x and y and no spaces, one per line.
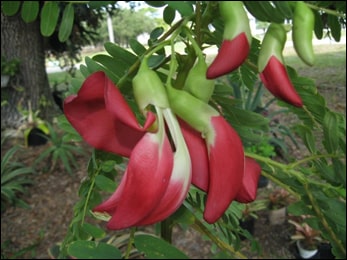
{"x":231,"y":55}
{"x":248,"y":191}
{"x":276,"y":80}
{"x":102,"y":117}
{"x":226,"y":168}
{"x":180,"y":179}
{"x":144,"y":183}
{"x":198,"y":156}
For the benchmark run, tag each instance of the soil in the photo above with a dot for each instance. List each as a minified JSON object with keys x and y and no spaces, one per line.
{"x":29,"y":233}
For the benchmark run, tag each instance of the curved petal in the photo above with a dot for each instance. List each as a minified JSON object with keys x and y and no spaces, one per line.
{"x":231,"y":55}
{"x":248,"y":191}
{"x":180,"y":179}
{"x":198,"y":156}
{"x":144,"y":183}
{"x":227,"y":162}
{"x":276,"y":80}
{"x":102,"y":117}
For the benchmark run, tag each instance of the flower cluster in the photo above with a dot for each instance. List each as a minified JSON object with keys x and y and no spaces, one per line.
{"x":183,"y":141}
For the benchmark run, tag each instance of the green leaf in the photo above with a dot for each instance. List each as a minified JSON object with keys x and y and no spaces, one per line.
{"x":156,"y":33}
{"x":299,"y":208}
{"x":155,"y":3}
{"x":92,"y":65}
{"x":94,"y":231}
{"x":66,"y":23}
{"x":184,"y":8}
{"x":335,"y":27}
{"x":10,"y":7}
{"x":156,"y":248}
{"x":30,"y":10}
{"x":137,"y":47}
{"x":49,"y":18}
{"x":120,"y":53}
{"x":283,"y":8}
{"x":247,"y":118}
{"x":105,"y":183}
{"x":318,"y":25}
{"x":92,"y":250}
{"x":169,"y":15}
{"x":85,"y":71}
{"x":116,"y":67}
{"x":98,"y":4}
{"x":155,"y":60}
{"x":330,"y":130}
{"x":307,"y":136}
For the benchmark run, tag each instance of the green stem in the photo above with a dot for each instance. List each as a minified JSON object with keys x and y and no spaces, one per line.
{"x":220,"y":243}
{"x":325,"y":10}
{"x":130,"y":243}
{"x":166,"y":229}
{"x":323,"y":220}
{"x":135,"y":66}
{"x":195,"y":44}
{"x":289,"y":169}
{"x":311,"y":158}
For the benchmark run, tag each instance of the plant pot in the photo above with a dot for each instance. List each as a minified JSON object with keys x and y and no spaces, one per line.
{"x":277,"y":216}
{"x":36,"y":137}
{"x":324,"y":250}
{"x":247,"y":224}
{"x":306,"y":253}
{"x":263,"y":181}
{"x":4,"y":80}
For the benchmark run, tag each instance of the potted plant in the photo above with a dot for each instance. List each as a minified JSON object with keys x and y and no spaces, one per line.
{"x":279,"y":199}
{"x":307,"y":239}
{"x":9,"y":68}
{"x":35,"y":130}
{"x":249,"y":215}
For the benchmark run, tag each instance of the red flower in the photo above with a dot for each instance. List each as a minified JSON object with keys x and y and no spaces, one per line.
{"x":153,"y":185}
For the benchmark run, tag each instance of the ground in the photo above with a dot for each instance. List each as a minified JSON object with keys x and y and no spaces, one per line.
{"x":29,"y":233}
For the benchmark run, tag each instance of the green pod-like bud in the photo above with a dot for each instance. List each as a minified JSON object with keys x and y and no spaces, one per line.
{"x":272,"y":45}
{"x":235,"y":20}
{"x":197,"y":84}
{"x":191,"y":109}
{"x":149,"y":89}
{"x":302,"y":32}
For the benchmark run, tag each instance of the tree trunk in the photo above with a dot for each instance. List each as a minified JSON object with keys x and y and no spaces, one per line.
{"x":30,"y":87}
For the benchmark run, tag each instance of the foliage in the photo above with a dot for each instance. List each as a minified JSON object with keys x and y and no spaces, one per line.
{"x":67,"y":27}
{"x":317,"y":179}
{"x":14,"y":178}
{"x":60,"y":149}
{"x":9,"y":67}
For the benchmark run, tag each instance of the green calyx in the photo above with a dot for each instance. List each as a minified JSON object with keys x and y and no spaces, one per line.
{"x":235,"y":20}
{"x":272,"y":45}
{"x":197,"y":84}
{"x":192,"y":110}
{"x":149,"y":89}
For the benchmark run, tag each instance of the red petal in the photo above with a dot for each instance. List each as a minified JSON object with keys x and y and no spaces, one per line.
{"x":276,"y":80}
{"x":180,"y":178}
{"x":198,"y":156}
{"x":102,"y":117}
{"x":231,"y":55}
{"x":143,"y":185}
{"x":248,"y":191}
{"x":227,"y":162}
